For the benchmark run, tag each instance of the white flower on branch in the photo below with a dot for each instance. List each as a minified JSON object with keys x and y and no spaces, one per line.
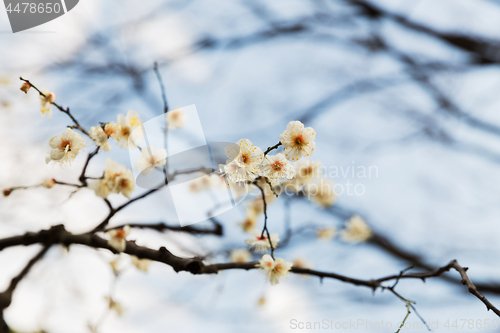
{"x":176,"y":119}
{"x":356,"y":230}
{"x":66,"y":146}
{"x":297,"y":140}
{"x":240,"y":255}
{"x":277,"y":168}
{"x":200,"y":184}
{"x":117,"y":179}
{"x":244,"y":161}
{"x":151,"y":157}
{"x":130,"y":131}
{"x":45,"y":103}
{"x":275,"y":269}
{"x":260,"y":242}
{"x":117,"y":238}
{"x":100,"y":137}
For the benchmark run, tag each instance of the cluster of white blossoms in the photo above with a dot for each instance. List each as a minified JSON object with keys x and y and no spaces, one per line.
{"x":65,"y":147}
{"x":356,"y":230}
{"x":275,"y":269}
{"x":116,"y":179}
{"x":117,"y":238}
{"x":127,"y":131}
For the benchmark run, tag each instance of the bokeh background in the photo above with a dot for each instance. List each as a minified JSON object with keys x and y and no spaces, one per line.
{"x":410,"y":87}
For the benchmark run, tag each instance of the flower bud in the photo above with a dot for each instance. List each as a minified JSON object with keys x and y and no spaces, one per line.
{"x":48,"y":183}
{"x":7,"y":192}
{"x":25,"y":87}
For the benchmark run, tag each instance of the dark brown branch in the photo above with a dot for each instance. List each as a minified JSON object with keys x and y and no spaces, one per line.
{"x":83,"y":178}
{"x":272,"y":147}
{"x":217,"y":230}
{"x":77,"y":124}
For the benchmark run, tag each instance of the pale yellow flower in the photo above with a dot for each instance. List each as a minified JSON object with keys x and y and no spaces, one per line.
{"x":275,"y":269}
{"x":100,"y":137}
{"x":45,"y":103}
{"x":307,"y":170}
{"x":117,"y":238}
{"x":130,"y":131}
{"x":176,"y":119}
{"x":244,"y":159}
{"x":297,"y":140}
{"x":151,"y":158}
{"x":356,"y":230}
{"x":240,"y":255}
{"x":117,"y":179}
{"x":66,"y":146}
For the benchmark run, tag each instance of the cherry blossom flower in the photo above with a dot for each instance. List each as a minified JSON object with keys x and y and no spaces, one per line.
{"x":140,"y":264}
{"x":244,"y":161}
{"x":261,"y":244}
{"x":326,"y":233}
{"x":100,"y":137}
{"x":130,"y":131}
{"x":48,"y":183}
{"x":297,"y":140}
{"x":321,"y":192}
{"x":45,"y":103}
{"x":151,"y":157}
{"x":117,"y":179}
{"x":275,"y":269}
{"x":277,"y":168}
{"x":250,"y":221}
{"x":66,"y":146}
{"x":112,"y":130}
{"x":176,"y":119}
{"x":25,"y":87}
{"x":356,"y":230}
{"x":117,"y":238}
{"x":240,"y":255}
{"x":233,"y":171}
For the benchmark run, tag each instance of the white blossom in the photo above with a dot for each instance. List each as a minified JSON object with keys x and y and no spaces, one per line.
{"x":356,"y":230}
{"x":244,"y":161}
{"x":117,"y":238}
{"x":130,"y":131}
{"x":275,"y":269}
{"x":176,"y":119}
{"x":277,"y":168}
{"x":66,"y":146}
{"x":45,"y":103}
{"x":261,"y":244}
{"x":100,"y":137}
{"x":117,"y":179}
{"x":297,"y":140}
{"x":151,"y":157}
